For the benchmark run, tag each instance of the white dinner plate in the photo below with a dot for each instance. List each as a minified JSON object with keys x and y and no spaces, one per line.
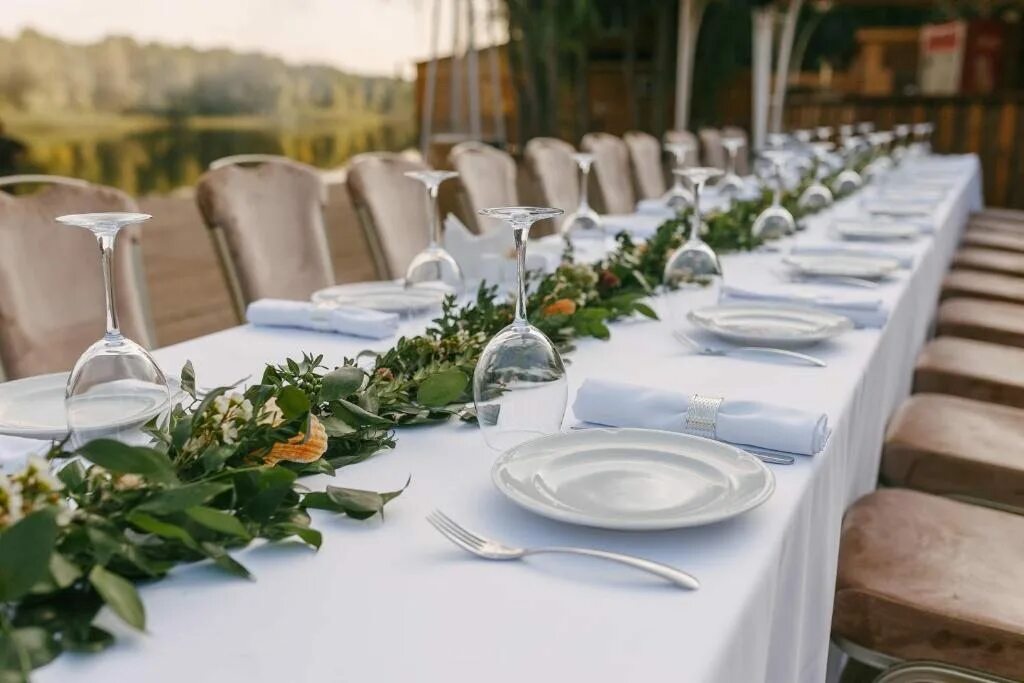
{"x":876,"y":231}
{"x":389,"y":296}
{"x":632,"y":479}
{"x":33,"y":408}
{"x":842,"y":265}
{"x":900,"y":209}
{"x":770,"y":324}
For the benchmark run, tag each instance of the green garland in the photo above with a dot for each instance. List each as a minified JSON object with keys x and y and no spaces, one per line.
{"x":223,"y":471}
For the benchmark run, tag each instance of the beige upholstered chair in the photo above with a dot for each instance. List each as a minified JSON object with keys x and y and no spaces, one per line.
{"x":487,"y":178}
{"x":550,"y":162}
{"x":267,"y":227}
{"x":391,"y":208}
{"x":711,"y":143}
{"x":611,"y":170}
{"x":51,"y":285}
{"x":648,"y":171}
{"x":685,"y":136}
{"x":743,"y":156}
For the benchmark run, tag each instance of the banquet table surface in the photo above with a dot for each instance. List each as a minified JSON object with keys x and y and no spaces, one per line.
{"x":390,"y":599}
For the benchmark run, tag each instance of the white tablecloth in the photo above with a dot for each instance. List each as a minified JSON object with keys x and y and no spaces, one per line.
{"x":390,"y":600}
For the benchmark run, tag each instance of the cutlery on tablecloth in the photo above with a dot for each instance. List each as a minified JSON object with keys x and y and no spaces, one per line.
{"x":741,"y":350}
{"x":493,"y":550}
{"x":829,"y":279}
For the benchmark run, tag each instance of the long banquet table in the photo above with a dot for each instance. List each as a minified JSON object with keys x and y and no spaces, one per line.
{"x":391,"y":600}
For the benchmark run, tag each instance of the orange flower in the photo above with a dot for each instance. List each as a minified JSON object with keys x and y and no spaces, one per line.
{"x":560,"y":307}
{"x":294,"y":450}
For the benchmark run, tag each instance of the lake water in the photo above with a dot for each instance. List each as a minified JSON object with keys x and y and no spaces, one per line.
{"x":161,"y":159}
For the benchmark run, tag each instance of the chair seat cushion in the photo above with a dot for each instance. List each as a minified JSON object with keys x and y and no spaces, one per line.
{"x":955,"y":446}
{"x":1013,"y":215}
{"x":994,"y":239}
{"x":992,"y":321}
{"x":929,"y":578}
{"x":971,"y":369}
{"x":990,"y":261}
{"x":979,"y":285}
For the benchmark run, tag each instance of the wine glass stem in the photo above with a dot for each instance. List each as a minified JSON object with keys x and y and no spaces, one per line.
{"x":732,"y":160}
{"x":520,"y":233}
{"x":435,"y":218}
{"x":695,"y":223}
{"x":106,"y":241}
{"x":584,"y":183}
{"x":777,"y":193}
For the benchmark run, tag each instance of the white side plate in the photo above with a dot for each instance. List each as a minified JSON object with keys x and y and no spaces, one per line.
{"x":878,"y":231}
{"x":632,"y":479}
{"x":769,"y":324}
{"x":33,"y":408}
{"x":388,"y":296}
{"x":841,"y":265}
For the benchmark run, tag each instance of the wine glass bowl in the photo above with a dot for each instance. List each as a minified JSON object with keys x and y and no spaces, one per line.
{"x":520,"y":389}
{"x":433,"y":266}
{"x":776,"y":220}
{"x":731,"y":184}
{"x":584,"y":221}
{"x":678,"y":197}
{"x":694,"y":265}
{"x":115,"y":386}
{"x":817,"y":196}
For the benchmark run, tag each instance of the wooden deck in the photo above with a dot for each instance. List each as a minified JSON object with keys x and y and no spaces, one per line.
{"x":187,"y":292}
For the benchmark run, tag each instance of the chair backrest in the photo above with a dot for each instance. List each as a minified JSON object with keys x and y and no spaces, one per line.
{"x":611,"y":170}
{"x":391,"y":208}
{"x":711,"y":142}
{"x":550,"y":162}
{"x":648,"y":170}
{"x":685,"y":136}
{"x":487,"y":178}
{"x":267,"y":227}
{"x":743,"y":155}
{"x":51,"y":285}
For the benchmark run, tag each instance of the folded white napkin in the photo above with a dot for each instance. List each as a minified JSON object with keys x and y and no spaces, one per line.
{"x":906,"y":260}
{"x":359,"y":322}
{"x":925,"y":227}
{"x":745,"y":423}
{"x":863,"y":311}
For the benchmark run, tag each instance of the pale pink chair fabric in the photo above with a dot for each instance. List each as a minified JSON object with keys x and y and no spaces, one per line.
{"x":711,"y":144}
{"x":487,"y":178}
{"x":648,"y":169}
{"x":51,"y":286}
{"x":549,"y":161}
{"x":268,"y":227}
{"x":611,"y":170}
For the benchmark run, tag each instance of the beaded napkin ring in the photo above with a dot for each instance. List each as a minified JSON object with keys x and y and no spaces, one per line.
{"x":702,"y":416}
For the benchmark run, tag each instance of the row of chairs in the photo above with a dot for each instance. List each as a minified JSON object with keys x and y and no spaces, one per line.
{"x":265,"y":215}
{"x":930,"y":582}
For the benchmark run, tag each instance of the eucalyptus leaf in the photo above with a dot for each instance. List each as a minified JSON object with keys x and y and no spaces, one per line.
{"x":218,"y":520}
{"x":442,"y":388}
{"x":188,"y":379}
{"x":293,"y":402}
{"x":645,"y":310}
{"x":223,"y":560}
{"x":355,"y":503}
{"x":341,"y":383}
{"x":25,"y":550}
{"x":357,"y":416}
{"x":120,"y":595}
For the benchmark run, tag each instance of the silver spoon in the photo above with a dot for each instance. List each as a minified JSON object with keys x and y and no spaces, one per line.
{"x":709,"y":351}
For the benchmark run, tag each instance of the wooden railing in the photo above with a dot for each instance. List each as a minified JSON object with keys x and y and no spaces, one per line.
{"x":992,"y":127}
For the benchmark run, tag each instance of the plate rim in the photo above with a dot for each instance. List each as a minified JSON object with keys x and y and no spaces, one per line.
{"x":892,"y":264}
{"x":580,"y":519}
{"x":839,"y":324}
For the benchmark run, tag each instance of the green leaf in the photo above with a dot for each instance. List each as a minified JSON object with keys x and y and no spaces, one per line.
{"x":357,"y":416}
{"x":355,"y":503}
{"x":218,"y":520}
{"x":645,"y":310}
{"x":341,"y":383}
{"x":33,"y":645}
{"x":120,"y":595}
{"x":72,"y":475}
{"x":442,"y":388}
{"x":160,"y":528}
{"x":88,"y":639}
{"x":62,"y":573}
{"x":293,"y":402}
{"x":25,"y":549}
{"x":274,"y":484}
{"x":123,"y":459}
{"x":335,"y":426}
{"x":286,"y":529}
{"x":223,"y":560}
{"x":181,"y":497}
{"x":188,"y":379}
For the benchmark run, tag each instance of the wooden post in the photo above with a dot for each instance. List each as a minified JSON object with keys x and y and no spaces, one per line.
{"x":782,"y":67}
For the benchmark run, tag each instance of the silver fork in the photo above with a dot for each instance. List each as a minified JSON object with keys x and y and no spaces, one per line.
{"x":831,"y":279}
{"x":493,"y":550}
{"x":709,"y":351}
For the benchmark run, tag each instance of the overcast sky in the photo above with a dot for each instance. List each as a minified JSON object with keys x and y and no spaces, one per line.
{"x":366,"y":36}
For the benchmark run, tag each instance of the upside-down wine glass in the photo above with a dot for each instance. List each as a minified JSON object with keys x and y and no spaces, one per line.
{"x":817,"y":195}
{"x":115,"y":387}
{"x":520,"y":388}
{"x":901,"y":132}
{"x":434,"y":267}
{"x":848,"y":179}
{"x":584,"y":221}
{"x":694,"y":264}
{"x":923,"y":133}
{"x":824,"y":133}
{"x":880,"y":163}
{"x":776,"y":220}
{"x":678,"y":197}
{"x":731,"y":184}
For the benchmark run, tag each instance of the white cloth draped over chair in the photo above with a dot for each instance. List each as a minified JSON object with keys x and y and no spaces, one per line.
{"x":743,"y":155}
{"x":391,"y":208}
{"x":612,"y":173}
{"x":487,"y":178}
{"x":550,"y":162}
{"x":648,"y":170}
{"x":51,"y":284}
{"x":689,"y":139}
{"x":268,"y":229}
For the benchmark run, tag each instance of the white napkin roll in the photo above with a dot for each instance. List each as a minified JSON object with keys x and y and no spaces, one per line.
{"x":863,"y":311}
{"x":359,"y":322}
{"x":906,"y":260}
{"x":744,"y":423}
